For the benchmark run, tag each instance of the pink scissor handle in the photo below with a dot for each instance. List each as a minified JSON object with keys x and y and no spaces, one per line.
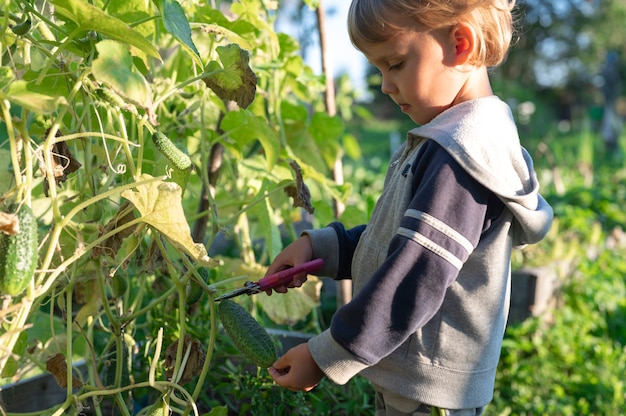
{"x":283,"y":277}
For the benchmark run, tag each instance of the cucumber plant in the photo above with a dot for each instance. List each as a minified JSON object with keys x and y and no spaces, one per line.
{"x":96,"y":99}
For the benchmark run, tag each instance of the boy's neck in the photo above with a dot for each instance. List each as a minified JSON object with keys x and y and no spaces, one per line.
{"x":477,"y":85}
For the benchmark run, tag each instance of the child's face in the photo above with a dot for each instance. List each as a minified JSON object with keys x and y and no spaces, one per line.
{"x":419,"y":73}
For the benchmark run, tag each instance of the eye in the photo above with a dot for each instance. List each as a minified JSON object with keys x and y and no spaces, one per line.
{"x":396,"y":67}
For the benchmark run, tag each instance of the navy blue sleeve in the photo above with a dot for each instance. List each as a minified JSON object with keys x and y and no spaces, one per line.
{"x":348,"y":240}
{"x":449,"y":210}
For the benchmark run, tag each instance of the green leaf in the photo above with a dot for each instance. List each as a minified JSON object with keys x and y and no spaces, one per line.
{"x":238,"y":31}
{"x":6,"y":175}
{"x":313,"y":4}
{"x":133,"y":12}
{"x":114,"y":67}
{"x":290,"y":111}
{"x":233,"y":80}
{"x":218,"y":411}
{"x":244,"y":127}
{"x":176,"y":23}
{"x":88,"y":17}
{"x":326,"y":130}
{"x":6,"y":76}
{"x":352,"y":147}
{"x":33,"y":97}
{"x":267,"y":225}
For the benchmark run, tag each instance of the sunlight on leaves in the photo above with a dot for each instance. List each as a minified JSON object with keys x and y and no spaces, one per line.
{"x":88,"y":17}
{"x":244,"y":127}
{"x":33,"y":97}
{"x":161,"y":207}
{"x":6,"y":76}
{"x":114,"y":67}
{"x":176,"y":23}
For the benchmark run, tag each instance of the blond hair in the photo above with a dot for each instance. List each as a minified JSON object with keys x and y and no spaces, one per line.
{"x":374,"y":21}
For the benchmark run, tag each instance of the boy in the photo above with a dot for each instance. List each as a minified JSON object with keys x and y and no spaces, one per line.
{"x":431,"y":270}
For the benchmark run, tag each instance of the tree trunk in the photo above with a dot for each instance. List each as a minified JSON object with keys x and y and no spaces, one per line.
{"x":344,"y":287}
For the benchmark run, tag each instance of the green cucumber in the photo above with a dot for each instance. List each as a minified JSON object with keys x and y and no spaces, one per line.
{"x":250,"y":338}
{"x":181,"y":163}
{"x":18,"y":254}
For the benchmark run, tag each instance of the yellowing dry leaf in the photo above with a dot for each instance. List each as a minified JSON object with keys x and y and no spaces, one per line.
{"x":9,"y":223}
{"x":160,"y":205}
{"x":57,"y":366}
{"x":194,"y":364}
{"x":293,"y":306}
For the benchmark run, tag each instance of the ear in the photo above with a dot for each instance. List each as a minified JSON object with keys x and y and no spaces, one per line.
{"x":464,"y":41}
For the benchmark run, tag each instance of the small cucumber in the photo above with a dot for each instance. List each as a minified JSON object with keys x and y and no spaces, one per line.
{"x":18,"y":254}
{"x":180,"y":160}
{"x":181,"y":163}
{"x":250,"y":338}
{"x":115,"y":100}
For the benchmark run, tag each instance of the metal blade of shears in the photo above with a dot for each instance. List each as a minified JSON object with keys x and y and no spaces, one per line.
{"x":234,"y":293}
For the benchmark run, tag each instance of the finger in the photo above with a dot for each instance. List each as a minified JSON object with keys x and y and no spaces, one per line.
{"x":299,"y":280}
{"x":280,"y":289}
{"x":280,"y":376}
{"x":277,"y":266}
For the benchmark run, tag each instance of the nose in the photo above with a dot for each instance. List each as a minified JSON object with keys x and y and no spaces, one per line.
{"x":387,"y":86}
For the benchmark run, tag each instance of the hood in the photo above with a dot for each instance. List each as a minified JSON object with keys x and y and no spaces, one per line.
{"x":482,"y":137}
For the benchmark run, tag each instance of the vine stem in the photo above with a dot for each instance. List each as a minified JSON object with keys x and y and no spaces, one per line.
{"x":4,"y":106}
{"x":180,"y":288}
{"x":158,"y":385}
{"x":64,"y":221}
{"x":43,"y":286}
{"x":181,"y":85}
{"x":68,"y":336}
{"x":209,"y":354}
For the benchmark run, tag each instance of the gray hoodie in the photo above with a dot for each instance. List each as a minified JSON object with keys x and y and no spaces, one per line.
{"x":431,"y":270}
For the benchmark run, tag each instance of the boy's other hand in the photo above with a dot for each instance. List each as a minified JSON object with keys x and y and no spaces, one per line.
{"x":296,"y":370}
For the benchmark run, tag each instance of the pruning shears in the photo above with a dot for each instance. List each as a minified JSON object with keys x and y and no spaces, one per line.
{"x":277,"y":279}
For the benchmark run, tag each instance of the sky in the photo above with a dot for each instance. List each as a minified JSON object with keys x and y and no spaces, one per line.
{"x":344,"y":57}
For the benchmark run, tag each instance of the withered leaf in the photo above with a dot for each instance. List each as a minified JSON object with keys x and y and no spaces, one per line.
{"x":299,"y":192}
{"x":9,"y":223}
{"x":233,"y":80}
{"x":57,"y":366}
{"x":63,"y":163}
{"x":194,"y":362}
{"x":111,"y":245}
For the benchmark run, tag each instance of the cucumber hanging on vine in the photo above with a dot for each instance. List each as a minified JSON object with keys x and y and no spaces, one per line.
{"x":250,"y":338}
{"x":19,"y":254}
{"x":179,"y":160}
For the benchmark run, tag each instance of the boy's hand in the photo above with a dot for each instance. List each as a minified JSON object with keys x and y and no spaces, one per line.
{"x":298,"y":252}
{"x":296,"y":370}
